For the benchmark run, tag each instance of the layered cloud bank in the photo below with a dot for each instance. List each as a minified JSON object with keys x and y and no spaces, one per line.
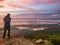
{"x":34,"y":8}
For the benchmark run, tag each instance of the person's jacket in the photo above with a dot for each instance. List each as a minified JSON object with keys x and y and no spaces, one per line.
{"x":7,"y":20}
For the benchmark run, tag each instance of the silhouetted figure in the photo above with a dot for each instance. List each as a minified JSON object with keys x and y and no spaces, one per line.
{"x":7,"y":21}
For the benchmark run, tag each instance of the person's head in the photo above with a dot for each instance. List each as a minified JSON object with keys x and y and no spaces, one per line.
{"x":8,"y":14}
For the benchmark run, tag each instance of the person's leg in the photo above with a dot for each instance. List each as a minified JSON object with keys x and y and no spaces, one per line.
{"x":9,"y":32}
{"x":4,"y":32}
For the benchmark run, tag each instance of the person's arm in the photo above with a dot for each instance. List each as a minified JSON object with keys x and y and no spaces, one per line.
{"x":10,"y":19}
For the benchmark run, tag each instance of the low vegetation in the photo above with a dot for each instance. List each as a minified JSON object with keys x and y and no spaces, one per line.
{"x":50,"y":36}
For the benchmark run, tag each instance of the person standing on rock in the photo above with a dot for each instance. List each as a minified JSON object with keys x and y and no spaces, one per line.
{"x":7,"y":20}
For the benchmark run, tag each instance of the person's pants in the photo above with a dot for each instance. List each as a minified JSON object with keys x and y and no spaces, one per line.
{"x":6,"y":28}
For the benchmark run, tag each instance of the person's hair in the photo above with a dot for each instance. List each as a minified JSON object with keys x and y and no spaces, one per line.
{"x":8,"y":14}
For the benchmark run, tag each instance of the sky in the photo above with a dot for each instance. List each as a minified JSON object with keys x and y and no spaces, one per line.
{"x":42,"y":9}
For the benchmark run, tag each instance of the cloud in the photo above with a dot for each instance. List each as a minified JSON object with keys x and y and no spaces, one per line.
{"x":1,"y":6}
{"x":55,"y":16}
{"x":24,"y":16}
{"x":48,"y":1}
{"x":57,"y":9}
{"x":26,"y":1}
{"x":38,"y":1}
{"x":1,"y":0}
{"x":34,"y":2}
{"x":32,"y":5}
